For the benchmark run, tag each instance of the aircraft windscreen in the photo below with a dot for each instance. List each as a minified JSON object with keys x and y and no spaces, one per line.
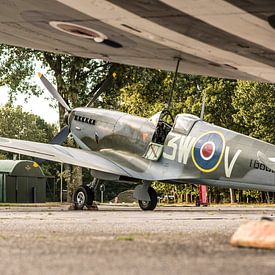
{"x":163,"y":122}
{"x":155,"y":118}
{"x":184,"y":122}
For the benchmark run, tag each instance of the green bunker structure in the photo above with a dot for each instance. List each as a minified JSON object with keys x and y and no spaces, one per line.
{"x":22,"y":181}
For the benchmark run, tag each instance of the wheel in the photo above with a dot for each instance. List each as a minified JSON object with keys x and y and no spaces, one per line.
{"x":83,"y":196}
{"x":149,"y":205}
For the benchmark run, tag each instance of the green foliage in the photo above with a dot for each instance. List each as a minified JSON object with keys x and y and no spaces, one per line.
{"x":254,"y":105}
{"x":2,"y":156}
{"x":15,"y":123}
{"x":75,"y":77}
{"x":152,"y":89}
{"x":16,"y":69}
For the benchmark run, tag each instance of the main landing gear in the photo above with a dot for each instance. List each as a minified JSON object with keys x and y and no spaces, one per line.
{"x":84,"y":195}
{"x":149,"y":205}
{"x":146,"y":196}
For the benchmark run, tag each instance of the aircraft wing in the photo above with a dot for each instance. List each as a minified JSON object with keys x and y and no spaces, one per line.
{"x":62,"y":154}
{"x":104,"y":162}
{"x":223,"y":38}
{"x":269,"y":162}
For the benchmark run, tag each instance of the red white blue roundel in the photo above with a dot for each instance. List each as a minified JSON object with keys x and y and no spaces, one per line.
{"x":207,"y":151}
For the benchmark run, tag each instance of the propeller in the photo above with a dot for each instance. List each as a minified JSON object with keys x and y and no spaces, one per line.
{"x":97,"y":91}
{"x":58,"y":140}
{"x":61,"y":136}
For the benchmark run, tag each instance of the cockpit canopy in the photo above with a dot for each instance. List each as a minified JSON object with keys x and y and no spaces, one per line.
{"x":184,"y":123}
{"x":164,"y":123}
{"x":164,"y":116}
{"x":155,"y":118}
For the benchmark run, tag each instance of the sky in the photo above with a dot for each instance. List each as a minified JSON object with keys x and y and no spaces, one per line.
{"x":37,"y":105}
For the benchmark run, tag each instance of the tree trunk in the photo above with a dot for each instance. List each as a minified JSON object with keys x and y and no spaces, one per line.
{"x":267,"y":197}
{"x":73,"y":181}
{"x":186,"y":198}
{"x":241,"y":196}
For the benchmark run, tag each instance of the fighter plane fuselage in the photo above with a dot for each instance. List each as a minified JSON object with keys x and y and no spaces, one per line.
{"x":193,"y":151}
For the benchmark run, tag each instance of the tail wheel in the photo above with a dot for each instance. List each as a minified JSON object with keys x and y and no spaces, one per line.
{"x":83,"y":196}
{"x":149,"y":205}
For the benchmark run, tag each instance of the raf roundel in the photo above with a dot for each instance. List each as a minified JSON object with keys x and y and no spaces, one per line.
{"x":207,"y":151}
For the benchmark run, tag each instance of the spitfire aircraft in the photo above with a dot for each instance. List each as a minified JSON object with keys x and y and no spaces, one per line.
{"x":121,"y":147}
{"x":221,"y":38}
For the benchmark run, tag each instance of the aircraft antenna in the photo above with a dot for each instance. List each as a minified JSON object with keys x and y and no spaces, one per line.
{"x":203,"y":103}
{"x":174,"y":82}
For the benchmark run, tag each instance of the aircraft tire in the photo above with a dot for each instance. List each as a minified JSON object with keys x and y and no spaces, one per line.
{"x":83,"y":196}
{"x":149,"y":205}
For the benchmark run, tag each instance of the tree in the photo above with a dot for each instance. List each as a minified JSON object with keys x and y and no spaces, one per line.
{"x":15,"y":123}
{"x":75,"y":78}
{"x":254,"y":105}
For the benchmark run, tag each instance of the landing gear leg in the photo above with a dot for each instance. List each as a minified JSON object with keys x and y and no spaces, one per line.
{"x":93,"y":184}
{"x":146,"y":195}
{"x":93,"y":187}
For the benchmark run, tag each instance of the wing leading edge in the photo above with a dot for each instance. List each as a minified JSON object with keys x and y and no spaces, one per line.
{"x":57,"y":153}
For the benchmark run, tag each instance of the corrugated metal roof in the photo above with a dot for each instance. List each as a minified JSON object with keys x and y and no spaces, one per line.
{"x":22,"y":167}
{"x":7,"y":166}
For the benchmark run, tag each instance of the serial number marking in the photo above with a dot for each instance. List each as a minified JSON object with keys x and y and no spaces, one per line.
{"x":259,"y":166}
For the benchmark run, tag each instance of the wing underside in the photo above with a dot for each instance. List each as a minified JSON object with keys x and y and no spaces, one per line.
{"x":227,"y":38}
{"x":119,"y":164}
{"x":62,"y":154}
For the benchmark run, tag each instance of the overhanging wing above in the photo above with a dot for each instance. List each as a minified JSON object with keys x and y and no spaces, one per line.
{"x":223,"y":38}
{"x":62,"y":154}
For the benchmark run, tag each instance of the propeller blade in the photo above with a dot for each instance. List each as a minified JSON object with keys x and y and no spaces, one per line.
{"x":53,"y":91}
{"x":102,"y":86}
{"x":61,"y":136}
{"x":58,"y":139}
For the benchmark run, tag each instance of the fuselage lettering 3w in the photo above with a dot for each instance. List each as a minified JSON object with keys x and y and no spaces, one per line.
{"x":183,"y":149}
{"x":207,"y":152}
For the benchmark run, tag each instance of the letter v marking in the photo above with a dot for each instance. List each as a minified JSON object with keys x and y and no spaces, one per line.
{"x":228,"y":169}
